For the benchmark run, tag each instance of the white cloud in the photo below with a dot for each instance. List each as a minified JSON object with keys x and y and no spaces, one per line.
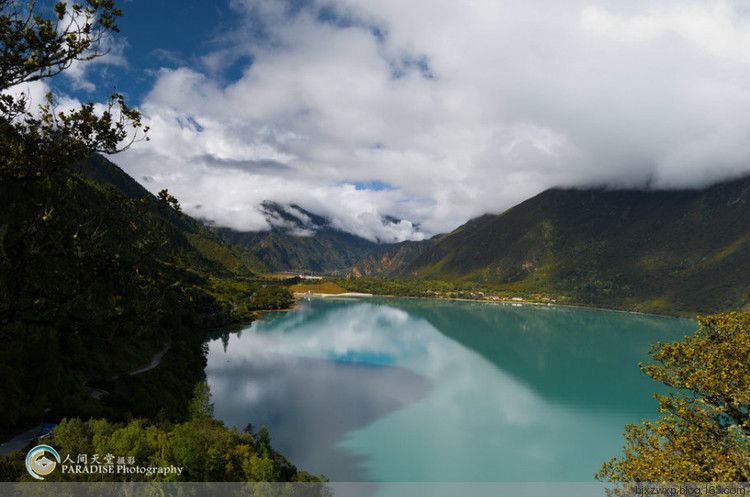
{"x":33,"y":92}
{"x":78,"y":72}
{"x":463,"y":107}
{"x":710,"y":26}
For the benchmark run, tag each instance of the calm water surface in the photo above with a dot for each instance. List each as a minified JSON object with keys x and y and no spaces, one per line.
{"x":423,"y":390}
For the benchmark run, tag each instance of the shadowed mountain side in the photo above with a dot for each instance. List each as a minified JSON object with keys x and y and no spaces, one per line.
{"x":202,"y":238}
{"x":563,"y":354}
{"x":326,"y":251}
{"x":98,"y":168}
{"x":335,"y":397}
{"x":299,"y":240}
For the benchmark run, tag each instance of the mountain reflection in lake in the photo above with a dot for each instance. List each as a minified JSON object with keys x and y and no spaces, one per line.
{"x":419,"y":390}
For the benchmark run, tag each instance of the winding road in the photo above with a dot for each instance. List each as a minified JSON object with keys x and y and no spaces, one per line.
{"x":21,"y":440}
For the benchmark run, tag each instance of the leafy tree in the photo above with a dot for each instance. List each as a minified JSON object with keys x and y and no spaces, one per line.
{"x":201,"y":406}
{"x":35,"y":47}
{"x":34,"y":142}
{"x":169,"y":200}
{"x":262,"y":468}
{"x":264,"y":439}
{"x":703,"y":433}
{"x":269,"y":297}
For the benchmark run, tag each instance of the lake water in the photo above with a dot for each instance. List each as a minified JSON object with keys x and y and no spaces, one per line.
{"x":423,"y":390}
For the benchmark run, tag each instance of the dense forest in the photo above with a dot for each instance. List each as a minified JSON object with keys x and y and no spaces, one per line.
{"x":102,"y":271}
{"x":202,"y":447}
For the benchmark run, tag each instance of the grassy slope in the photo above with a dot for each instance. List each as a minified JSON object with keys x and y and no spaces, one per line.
{"x":678,"y":251}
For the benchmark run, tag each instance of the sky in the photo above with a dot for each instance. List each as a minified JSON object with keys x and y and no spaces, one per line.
{"x":428,"y":111}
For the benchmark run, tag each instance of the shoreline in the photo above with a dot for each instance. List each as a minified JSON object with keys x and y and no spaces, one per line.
{"x":501,"y":302}
{"x":332,"y":295}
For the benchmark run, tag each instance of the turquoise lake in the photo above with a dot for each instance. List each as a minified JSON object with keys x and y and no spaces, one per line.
{"x":409,"y":390}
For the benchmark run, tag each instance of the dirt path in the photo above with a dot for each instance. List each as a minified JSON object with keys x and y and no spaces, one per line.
{"x":154,"y":362}
{"x":21,"y":440}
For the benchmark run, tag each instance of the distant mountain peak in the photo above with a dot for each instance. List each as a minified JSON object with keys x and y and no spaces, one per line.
{"x":292,"y":219}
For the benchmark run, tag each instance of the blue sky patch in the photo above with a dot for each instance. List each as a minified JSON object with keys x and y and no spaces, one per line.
{"x":375,"y":185}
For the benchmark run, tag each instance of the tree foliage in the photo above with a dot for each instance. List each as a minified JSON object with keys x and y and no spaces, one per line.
{"x":205,"y":449}
{"x":36,"y":141}
{"x":271,"y":297}
{"x":703,"y":433}
{"x":201,"y":407}
{"x":36,"y":47}
{"x":169,"y":200}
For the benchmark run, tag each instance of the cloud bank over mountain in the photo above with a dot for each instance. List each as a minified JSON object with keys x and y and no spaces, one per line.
{"x":435,"y":111}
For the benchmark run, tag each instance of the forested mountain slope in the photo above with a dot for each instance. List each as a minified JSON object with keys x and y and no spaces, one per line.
{"x":664,"y":251}
{"x":96,"y":275}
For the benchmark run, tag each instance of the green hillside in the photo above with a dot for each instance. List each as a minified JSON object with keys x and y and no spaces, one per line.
{"x":657,"y":251}
{"x":96,"y":276}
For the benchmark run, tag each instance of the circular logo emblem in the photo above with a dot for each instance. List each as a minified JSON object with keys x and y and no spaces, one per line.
{"x":41,"y":461}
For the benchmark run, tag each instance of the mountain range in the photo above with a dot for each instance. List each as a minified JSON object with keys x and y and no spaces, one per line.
{"x":675,"y":251}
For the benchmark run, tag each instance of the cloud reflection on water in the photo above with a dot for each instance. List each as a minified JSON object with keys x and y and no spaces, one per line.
{"x":403,"y":390}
